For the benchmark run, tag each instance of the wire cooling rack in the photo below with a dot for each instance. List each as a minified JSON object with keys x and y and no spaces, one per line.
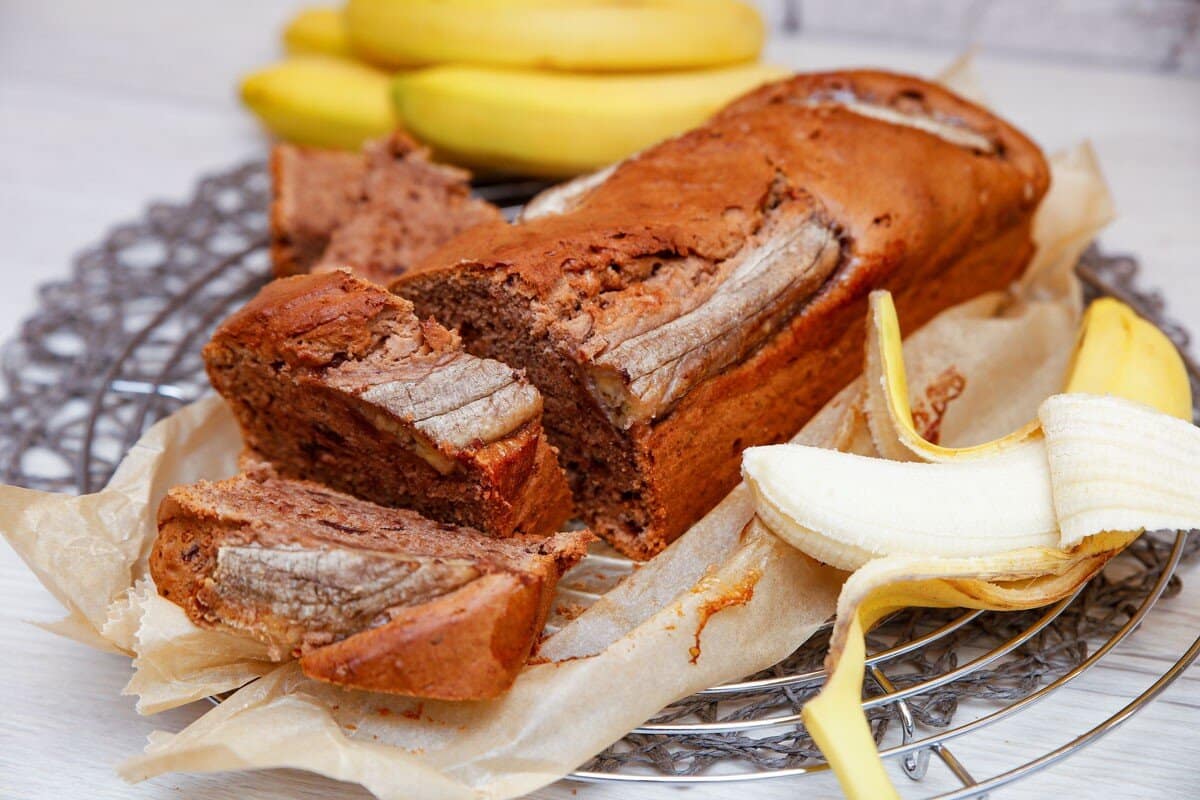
{"x":116,"y":347}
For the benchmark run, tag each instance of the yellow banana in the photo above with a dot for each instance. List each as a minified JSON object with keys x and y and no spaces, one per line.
{"x":322,"y":101}
{"x":317,"y":31}
{"x":558,"y":124}
{"x":1057,"y":499}
{"x":585,"y":35}
{"x":1119,"y":353}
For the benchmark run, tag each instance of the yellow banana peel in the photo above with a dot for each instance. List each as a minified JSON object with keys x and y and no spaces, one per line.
{"x":582,"y":35}
{"x":1121,"y":354}
{"x":317,"y":31}
{"x":886,"y":400}
{"x":557,"y":124}
{"x":322,"y":101}
{"x":1113,"y":456}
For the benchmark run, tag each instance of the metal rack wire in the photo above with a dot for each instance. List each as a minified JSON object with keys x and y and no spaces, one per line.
{"x":116,"y":347}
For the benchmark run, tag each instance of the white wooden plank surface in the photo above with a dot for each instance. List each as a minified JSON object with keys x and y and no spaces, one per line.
{"x":104,"y":106}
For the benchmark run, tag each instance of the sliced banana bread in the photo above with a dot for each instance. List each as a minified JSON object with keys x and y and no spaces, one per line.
{"x":334,"y":379}
{"x":366,"y":597}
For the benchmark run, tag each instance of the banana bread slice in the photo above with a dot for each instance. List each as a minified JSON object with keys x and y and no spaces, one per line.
{"x":366,"y":597}
{"x":377,"y":213}
{"x":334,"y":379}
{"x":708,"y":294}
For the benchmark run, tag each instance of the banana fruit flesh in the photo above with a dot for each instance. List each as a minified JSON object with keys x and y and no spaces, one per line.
{"x":555,"y":124}
{"x":584,"y":35}
{"x":1114,"y":455}
{"x":322,"y":101}
{"x":317,"y":31}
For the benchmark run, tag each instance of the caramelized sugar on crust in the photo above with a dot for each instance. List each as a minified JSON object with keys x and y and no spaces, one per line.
{"x":708,"y":294}
{"x":334,"y":379}
{"x":365,"y":596}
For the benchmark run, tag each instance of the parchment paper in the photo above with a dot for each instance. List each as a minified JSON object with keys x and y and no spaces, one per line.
{"x":725,"y":600}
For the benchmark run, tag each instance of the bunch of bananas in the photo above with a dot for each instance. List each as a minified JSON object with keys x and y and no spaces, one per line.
{"x":542,"y":87}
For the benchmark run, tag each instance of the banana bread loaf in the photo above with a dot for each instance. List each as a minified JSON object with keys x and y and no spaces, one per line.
{"x":708,"y":294}
{"x":366,"y":597}
{"x":376,"y":213}
{"x":334,"y":379}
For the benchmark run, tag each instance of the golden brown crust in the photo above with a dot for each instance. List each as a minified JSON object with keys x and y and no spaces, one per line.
{"x":468,"y":645}
{"x":466,"y":640}
{"x":928,"y":195}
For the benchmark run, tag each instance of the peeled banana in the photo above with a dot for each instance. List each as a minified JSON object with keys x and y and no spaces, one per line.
{"x":554,"y":124}
{"x":322,"y":101}
{"x":585,"y":35}
{"x":317,"y":31}
{"x":1011,"y":524}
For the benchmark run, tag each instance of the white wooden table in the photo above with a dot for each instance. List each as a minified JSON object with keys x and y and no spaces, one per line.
{"x":105,"y":106}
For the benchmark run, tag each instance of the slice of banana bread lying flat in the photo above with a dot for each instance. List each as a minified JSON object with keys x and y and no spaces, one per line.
{"x":377,"y":213}
{"x":708,"y":294}
{"x":366,"y":597}
{"x":334,"y":379}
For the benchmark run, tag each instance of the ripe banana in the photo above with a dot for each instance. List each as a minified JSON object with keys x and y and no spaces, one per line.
{"x":555,"y":124}
{"x":1053,"y":503}
{"x":322,"y":101}
{"x":585,"y":35}
{"x":317,"y":31}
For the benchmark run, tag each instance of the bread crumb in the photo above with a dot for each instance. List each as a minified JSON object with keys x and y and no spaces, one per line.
{"x":570,"y":611}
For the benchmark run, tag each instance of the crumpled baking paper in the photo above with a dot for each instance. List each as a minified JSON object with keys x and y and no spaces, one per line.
{"x":724,"y":601}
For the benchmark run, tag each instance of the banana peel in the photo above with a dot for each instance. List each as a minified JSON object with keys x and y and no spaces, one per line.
{"x":886,"y":399}
{"x":1114,"y":455}
{"x":317,"y":31}
{"x":321,"y":100}
{"x":556,"y":124}
{"x":581,"y":35}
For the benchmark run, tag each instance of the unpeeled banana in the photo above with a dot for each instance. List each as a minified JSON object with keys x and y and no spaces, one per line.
{"x":1113,"y":456}
{"x":507,"y":117}
{"x":317,"y":31}
{"x":323,"y":101}
{"x":557,"y":124}
{"x":585,"y":35}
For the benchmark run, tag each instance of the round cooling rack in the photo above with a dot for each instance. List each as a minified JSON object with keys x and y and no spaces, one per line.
{"x":117,"y":347}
